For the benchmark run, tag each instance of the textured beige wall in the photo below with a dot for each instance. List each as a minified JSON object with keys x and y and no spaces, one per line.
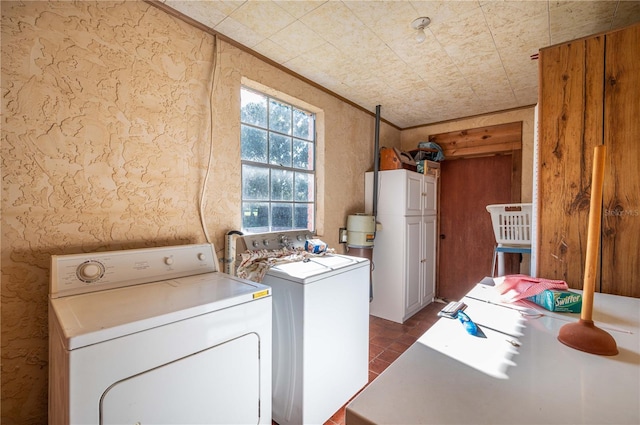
{"x":411,"y":137}
{"x":105,"y":143}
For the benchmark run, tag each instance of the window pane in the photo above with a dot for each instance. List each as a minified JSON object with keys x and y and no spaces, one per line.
{"x":278,"y":162}
{"x":281,"y":185}
{"x":253,"y":144}
{"x":255,"y":216}
{"x":254,"y":108}
{"x":302,"y":154}
{"x":279,"y":117}
{"x":303,"y":218}
{"x":303,"y":124}
{"x":282,"y":216}
{"x":280,"y":150}
{"x":255,"y":183}
{"x":304,"y":187}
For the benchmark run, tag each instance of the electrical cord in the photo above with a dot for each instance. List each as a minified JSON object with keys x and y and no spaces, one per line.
{"x":214,"y":75}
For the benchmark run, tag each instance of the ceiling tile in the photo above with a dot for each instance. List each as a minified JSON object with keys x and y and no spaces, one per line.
{"x":297,"y":38}
{"x":299,"y":8}
{"x":274,"y":51}
{"x":476,"y":57}
{"x":445,"y":11}
{"x":209,"y":13}
{"x":626,"y":14}
{"x":241,"y":33}
{"x":263,"y":17}
{"x":575,"y":19}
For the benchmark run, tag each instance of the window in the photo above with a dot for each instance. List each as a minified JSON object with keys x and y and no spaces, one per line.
{"x":277,"y":142}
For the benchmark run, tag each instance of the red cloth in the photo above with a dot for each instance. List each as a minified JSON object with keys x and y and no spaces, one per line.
{"x":519,"y":286}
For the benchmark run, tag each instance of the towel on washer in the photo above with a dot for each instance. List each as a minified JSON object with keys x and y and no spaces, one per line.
{"x":519,"y":286}
{"x":255,"y":264}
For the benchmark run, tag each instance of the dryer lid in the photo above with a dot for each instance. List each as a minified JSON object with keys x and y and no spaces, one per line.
{"x":95,"y":317}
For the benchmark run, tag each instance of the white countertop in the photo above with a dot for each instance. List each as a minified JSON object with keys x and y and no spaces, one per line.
{"x":519,"y":374}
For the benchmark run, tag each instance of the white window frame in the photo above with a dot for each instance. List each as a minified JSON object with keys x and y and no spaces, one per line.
{"x":271,"y":169}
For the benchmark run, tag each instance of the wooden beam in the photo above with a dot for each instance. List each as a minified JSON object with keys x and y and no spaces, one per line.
{"x":490,"y":140}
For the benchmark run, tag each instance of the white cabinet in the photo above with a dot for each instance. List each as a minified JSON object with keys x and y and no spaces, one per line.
{"x":404,"y":253}
{"x":402,"y":192}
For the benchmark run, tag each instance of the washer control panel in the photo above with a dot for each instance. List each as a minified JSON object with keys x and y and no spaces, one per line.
{"x":271,"y":241}
{"x":81,"y":273}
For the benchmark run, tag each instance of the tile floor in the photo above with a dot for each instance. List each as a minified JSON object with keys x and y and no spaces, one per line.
{"x":388,"y":340}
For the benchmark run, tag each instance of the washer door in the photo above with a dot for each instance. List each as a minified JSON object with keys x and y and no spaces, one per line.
{"x":219,"y":385}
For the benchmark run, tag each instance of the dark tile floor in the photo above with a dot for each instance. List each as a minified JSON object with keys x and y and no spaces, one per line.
{"x":388,"y":340}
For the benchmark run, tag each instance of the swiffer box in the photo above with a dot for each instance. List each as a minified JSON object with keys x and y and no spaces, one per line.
{"x":559,"y":301}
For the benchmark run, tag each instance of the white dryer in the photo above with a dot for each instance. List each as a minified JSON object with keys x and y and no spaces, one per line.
{"x":157,"y":336}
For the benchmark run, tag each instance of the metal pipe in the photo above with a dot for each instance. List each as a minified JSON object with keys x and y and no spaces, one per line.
{"x":376,"y":169}
{"x":376,"y":162}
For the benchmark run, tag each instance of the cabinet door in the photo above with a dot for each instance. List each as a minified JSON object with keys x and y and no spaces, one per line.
{"x":399,"y":192}
{"x":415,"y":194}
{"x":621,"y":216}
{"x":430,"y":195}
{"x":428,"y":260}
{"x":413,"y":264}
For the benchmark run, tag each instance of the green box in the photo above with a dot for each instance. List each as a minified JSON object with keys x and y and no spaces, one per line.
{"x":559,"y":301}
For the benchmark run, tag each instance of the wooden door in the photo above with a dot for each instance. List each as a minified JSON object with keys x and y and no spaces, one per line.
{"x":466,"y":235}
{"x":570,"y":121}
{"x":621,"y":216}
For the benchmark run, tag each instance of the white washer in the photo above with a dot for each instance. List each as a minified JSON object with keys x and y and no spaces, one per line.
{"x":320,"y":331}
{"x":157,"y":336}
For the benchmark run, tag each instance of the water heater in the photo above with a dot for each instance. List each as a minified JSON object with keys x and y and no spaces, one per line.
{"x":361,"y":231}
